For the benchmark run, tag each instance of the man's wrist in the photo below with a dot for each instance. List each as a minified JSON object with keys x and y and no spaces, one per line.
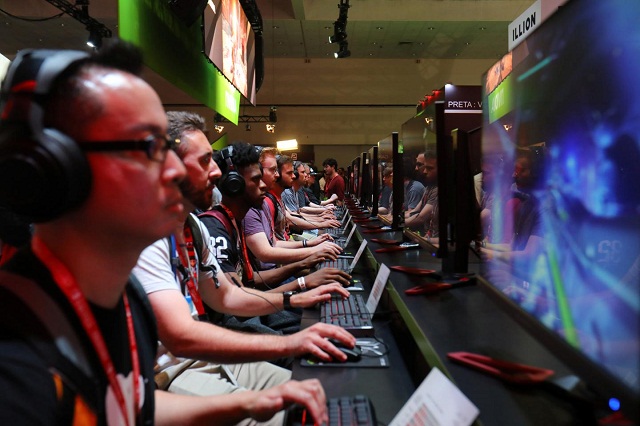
{"x":286,"y":299}
{"x":301,"y":284}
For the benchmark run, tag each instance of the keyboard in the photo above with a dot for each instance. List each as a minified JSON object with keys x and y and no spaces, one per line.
{"x":335,"y":232}
{"x":344,"y":264}
{"x":350,"y":313}
{"x":344,"y":411}
{"x":341,"y":242}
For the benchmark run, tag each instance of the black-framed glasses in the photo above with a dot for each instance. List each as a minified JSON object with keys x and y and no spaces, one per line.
{"x":156,"y":146}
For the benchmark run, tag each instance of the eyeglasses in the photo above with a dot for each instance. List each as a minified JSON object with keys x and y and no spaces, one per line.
{"x":156,"y":146}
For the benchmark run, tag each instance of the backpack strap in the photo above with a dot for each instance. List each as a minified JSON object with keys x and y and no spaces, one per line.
{"x":222,"y":218}
{"x":274,"y":204}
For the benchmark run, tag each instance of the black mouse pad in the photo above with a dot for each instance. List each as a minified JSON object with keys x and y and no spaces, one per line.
{"x":374,"y":355}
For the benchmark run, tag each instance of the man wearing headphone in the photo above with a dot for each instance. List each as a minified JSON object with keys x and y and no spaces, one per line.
{"x":295,"y":199}
{"x":286,"y":181}
{"x":260,"y":226}
{"x":212,"y":291}
{"x":77,"y":335}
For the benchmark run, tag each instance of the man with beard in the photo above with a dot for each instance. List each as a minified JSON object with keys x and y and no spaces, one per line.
{"x":184,"y":264}
{"x":77,"y":336}
{"x":261,"y":225}
{"x":424,"y":216}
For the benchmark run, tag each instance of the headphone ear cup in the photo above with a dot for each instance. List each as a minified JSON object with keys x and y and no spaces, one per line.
{"x":231,"y":184}
{"x":41,"y":178}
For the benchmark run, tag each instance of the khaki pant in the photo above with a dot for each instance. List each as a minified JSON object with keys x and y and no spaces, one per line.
{"x":191,"y":377}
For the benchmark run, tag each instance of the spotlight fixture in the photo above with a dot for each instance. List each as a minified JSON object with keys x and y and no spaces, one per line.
{"x":247,"y":127}
{"x":340,"y":30}
{"x":95,"y":38}
{"x":337,"y":37}
{"x":271,"y":128}
{"x":80,"y":12}
{"x":344,"y":51}
{"x":218,"y":128}
{"x":272,"y":114}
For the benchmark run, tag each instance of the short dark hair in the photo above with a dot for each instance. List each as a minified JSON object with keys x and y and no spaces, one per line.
{"x":70,"y":97}
{"x":330,"y":162}
{"x":430,"y":154}
{"x":181,"y":122}
{"x":243,"y":154}
{"x":408,"y":164}
{"x":282,"y":160}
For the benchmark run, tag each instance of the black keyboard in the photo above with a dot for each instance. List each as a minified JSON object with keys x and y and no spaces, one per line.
{"x":341,"y":242}
{"x":350,"y":313}
{"x":344,"y":411}
{"x":341,"y":263}
{"x":335,"y":232}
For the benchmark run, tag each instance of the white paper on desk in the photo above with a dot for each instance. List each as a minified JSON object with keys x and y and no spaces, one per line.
{"x":378,"y":287}
{"x":436,"y":402}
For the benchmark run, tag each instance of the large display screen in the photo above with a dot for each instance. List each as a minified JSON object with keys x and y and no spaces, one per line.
{"x":229,"y":43}
{"x":561,"y":179}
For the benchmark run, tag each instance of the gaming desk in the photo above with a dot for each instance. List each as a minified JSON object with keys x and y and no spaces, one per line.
{"x":421,"y":330}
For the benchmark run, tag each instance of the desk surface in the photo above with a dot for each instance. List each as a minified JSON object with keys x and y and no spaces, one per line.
{"x":461,"y":319}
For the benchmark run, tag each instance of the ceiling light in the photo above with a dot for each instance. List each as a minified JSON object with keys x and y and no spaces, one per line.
{"x":247,"y":127}
{"x":338,"y":37}
{"x":344,"y":51}
{"x":218,"y":128}
{"x":287,"y":145}
{"x":95,"y":38}
{"x":271,"y":128}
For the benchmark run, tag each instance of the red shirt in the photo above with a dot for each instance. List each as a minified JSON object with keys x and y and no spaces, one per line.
{"x":335,"y":186}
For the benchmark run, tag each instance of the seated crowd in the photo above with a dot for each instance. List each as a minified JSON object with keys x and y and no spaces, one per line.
{"x":178,"y":309}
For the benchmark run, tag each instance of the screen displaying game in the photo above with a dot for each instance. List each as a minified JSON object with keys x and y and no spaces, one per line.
{"x":561,"y":184}
{"x":229,"y":43}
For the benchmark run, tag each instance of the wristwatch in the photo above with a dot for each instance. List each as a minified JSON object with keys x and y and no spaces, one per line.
{"x":287,"y":299}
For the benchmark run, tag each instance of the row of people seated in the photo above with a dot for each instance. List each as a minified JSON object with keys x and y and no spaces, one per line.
{"x":218,"y":272}
{"x":420,"y":206}
{"x":150,"y":173}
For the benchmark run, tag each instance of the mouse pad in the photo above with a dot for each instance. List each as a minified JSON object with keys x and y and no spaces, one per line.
{"x":374,"y":355}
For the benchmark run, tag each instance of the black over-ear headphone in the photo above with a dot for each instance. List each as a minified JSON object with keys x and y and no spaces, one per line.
{"x":230,"y":183}
{"x":43,"y":172}
{"x":279,"y":178}
{"x":259,"y":151}
{"x":296,"y":173}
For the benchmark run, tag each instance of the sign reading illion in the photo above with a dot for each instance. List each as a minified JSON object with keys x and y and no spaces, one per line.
{"x":531,"y":19}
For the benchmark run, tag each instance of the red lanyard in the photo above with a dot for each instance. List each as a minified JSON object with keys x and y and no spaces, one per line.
{"x":248,"y":270}
{"x":67,"y":283}
{"x":186,"y":263}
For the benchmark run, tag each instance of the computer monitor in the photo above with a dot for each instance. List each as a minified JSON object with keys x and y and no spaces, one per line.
{"x":365,"y":184}
{"x":374,"y":180}
{"x":356,"y":177}
{"x":385,"y":160}
{"x":230,"y":43}
{"x":561,"y":143}
{"x":397,"y":214}
{"x":429,"y":133}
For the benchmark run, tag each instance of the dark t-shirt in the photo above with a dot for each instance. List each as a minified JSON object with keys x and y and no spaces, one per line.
{"x":26,"y":379}
{"x":227,"y":246}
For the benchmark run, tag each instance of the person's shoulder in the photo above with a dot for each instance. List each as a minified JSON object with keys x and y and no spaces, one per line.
{"x":24,"y":378}
{"x":416,"y":185}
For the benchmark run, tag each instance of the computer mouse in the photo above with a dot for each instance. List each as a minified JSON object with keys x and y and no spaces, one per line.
{"x":353,"y":354}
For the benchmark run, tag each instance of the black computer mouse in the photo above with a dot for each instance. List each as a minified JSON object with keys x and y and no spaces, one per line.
{"x":353,"y":354}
